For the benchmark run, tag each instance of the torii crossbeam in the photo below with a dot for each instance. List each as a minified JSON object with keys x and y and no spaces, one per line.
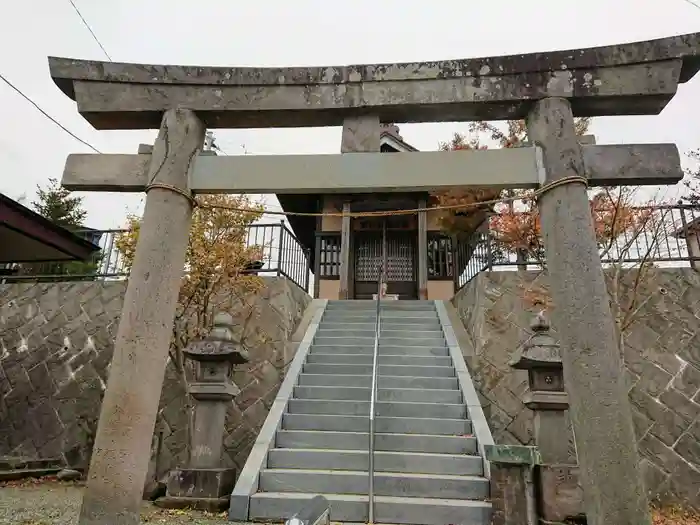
{"x":547,"y":89}
{"x":628,"y":79}
{"x":637,"y":164}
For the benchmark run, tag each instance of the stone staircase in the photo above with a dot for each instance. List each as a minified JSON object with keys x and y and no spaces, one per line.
{"x":427,"y":466}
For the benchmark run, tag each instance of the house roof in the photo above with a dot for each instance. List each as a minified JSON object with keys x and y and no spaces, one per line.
{"x":390,"y":141}
{"x":390,"y":137}
{"x":26,"y":236}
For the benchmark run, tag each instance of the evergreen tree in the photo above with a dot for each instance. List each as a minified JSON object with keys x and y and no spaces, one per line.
{"x":64,"y":209}
{"x":59,"y":206}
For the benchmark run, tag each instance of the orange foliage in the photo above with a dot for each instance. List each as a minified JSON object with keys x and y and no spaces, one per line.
{"x":614,"y":214}
{"x":515,"y":225}
{"x":675,"y":516}
{"x":465,"y":221}
{"x":217,"y":256}
{"x":517,"y":230}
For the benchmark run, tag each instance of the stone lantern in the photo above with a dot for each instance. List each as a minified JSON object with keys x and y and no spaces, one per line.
{"x":546,"y":397}
{"x":204,"y":484}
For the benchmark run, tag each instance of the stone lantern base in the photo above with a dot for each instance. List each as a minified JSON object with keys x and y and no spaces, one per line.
{"x":199,"y":489}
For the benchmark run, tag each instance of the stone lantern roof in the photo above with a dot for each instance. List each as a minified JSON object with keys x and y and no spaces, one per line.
{"x":541,"y":350}
{"x":219,"y":345}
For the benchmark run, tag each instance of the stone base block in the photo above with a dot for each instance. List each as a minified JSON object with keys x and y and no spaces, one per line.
{"x":201,"y":483}
{"x":561,"y":493}
{"x":204,"y":504}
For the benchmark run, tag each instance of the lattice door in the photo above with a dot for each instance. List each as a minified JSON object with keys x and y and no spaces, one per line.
{"x":368,"y":257}
{"x":400,"y":257}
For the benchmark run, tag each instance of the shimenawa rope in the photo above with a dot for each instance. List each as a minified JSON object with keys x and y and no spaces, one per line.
{"x":572,"y":179}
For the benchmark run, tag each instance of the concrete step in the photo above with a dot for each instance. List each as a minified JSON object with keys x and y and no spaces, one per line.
{"x":391,"y":425}
{"x":395,"y":442}
{"x":366,"y":359}
{"x":384,"y":305}
{"x":370,"y":318}
{"x":354,"y":509}
{"x":384,"y":370}
{"x":350,"y":317}
{"x":424,"y":320}
{"x":385,"y":483}
{"x":384,"y":314}
{"x":427,"y":324}
{"x":350,"y":331}
{"x":406,"y":340}
{"x":424,"y":351}
{"x":382,"y":408}
{"x":405,"y":395}
{"x":387,"y":381}
{"x":427,"y":319}
{"x":410,"y":462}
{"x":391,"y":314}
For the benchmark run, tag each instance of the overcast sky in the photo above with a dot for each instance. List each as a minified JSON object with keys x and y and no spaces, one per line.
{"x":297,"y":33}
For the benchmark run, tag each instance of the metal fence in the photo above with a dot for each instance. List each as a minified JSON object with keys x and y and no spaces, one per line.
{"x":278,"y":251}
{"x":281,"y":253}
{"x":667,"y":236}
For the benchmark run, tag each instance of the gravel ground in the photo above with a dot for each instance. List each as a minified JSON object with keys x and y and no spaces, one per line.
{"x":54,"y":503}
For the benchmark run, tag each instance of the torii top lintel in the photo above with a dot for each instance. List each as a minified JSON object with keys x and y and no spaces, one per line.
{"x":629,"y":79}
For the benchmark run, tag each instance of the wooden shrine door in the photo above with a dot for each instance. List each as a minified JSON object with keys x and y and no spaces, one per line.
{"x":391,"y":239}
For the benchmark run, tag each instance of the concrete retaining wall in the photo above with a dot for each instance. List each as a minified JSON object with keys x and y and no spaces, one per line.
{"x":662,"y":357}
{"x":56,"y":342}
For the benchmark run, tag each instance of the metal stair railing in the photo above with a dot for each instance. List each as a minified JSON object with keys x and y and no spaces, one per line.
{"x":373,"y":396}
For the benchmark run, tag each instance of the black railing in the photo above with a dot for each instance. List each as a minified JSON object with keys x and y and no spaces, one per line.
{"x":277,"y":252}
{"x":665,"y":236}
{"x":281,"y":253}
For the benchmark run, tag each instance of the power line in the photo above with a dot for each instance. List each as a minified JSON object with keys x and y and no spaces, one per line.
{"x":93,"y":148}
{"x":693,"y":3}
{"x":90,"y":29}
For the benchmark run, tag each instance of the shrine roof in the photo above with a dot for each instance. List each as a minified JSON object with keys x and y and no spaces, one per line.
{"x":304,"y":227}
{"x":625,"y":79}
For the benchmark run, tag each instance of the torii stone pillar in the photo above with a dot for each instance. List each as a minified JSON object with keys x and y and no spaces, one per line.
{"x":600,"y":410}
{"x":123,"y":444}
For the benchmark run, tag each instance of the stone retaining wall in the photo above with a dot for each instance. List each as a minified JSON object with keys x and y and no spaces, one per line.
{"x":56,"y":342}
{"x":662,"y":357}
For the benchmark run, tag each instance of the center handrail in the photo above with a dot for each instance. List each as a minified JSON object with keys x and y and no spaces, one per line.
{"x":372,"y":398}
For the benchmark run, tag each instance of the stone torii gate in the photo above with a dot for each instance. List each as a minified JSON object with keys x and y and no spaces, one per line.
{"x":548,"y":89}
